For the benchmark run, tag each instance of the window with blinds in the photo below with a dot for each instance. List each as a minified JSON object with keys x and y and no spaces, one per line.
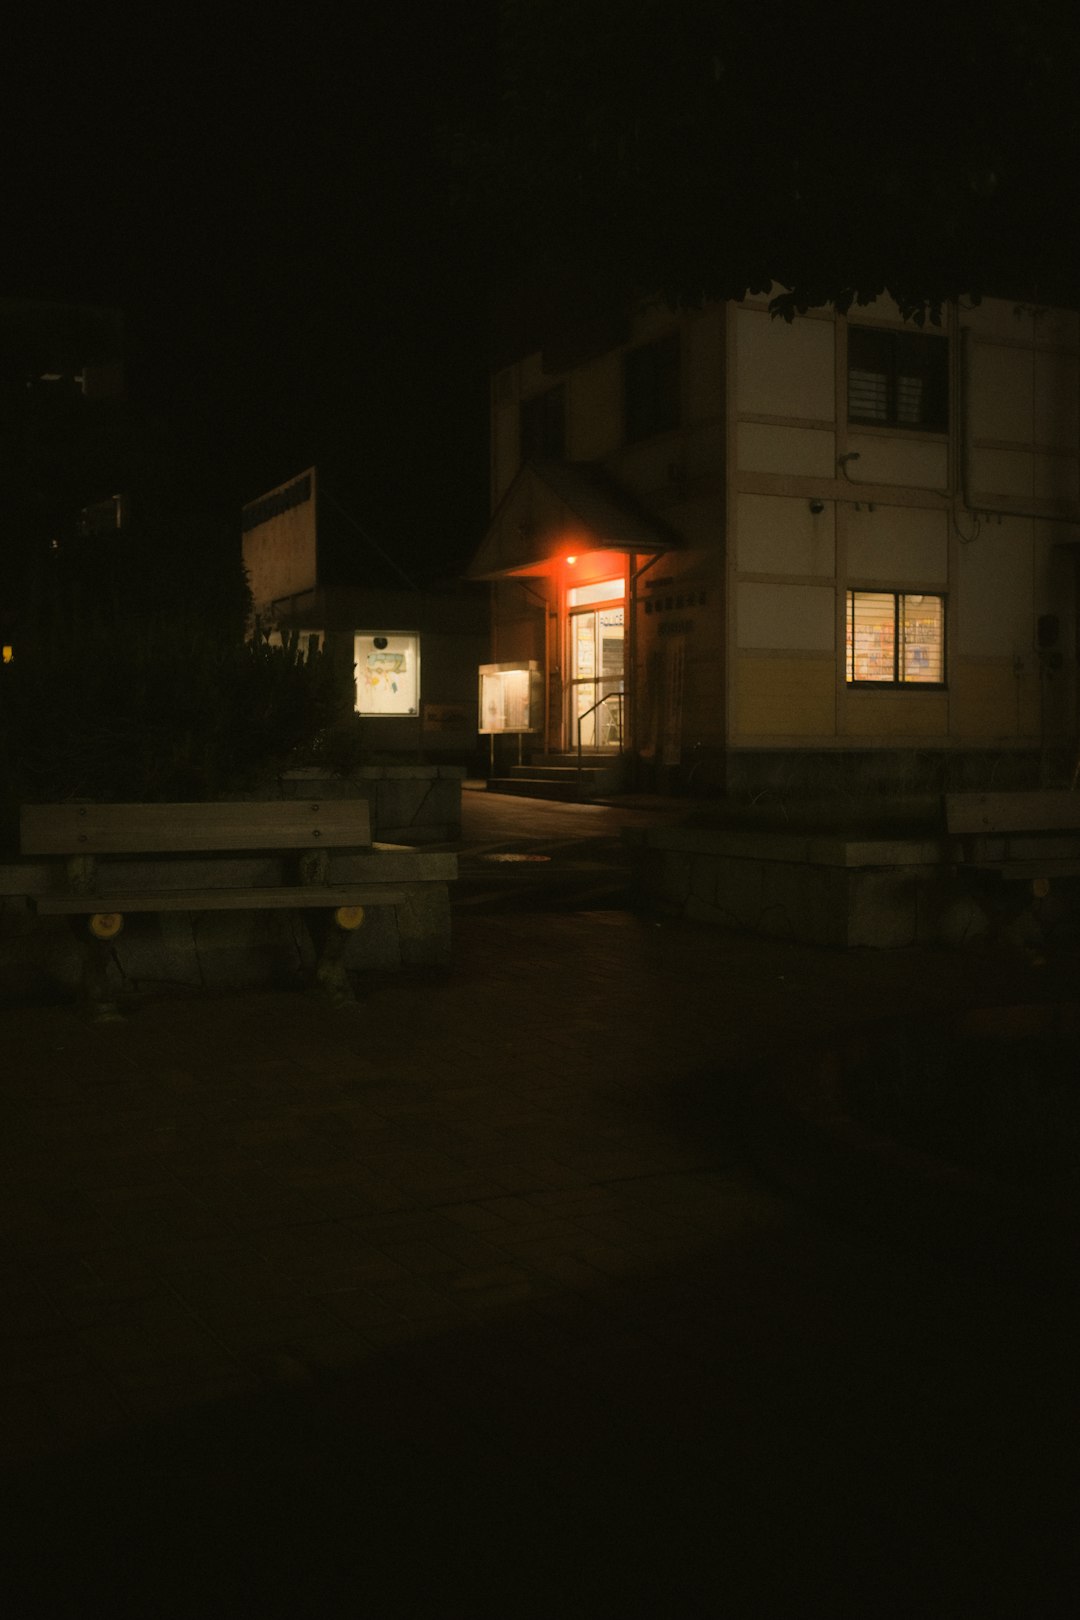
{"x":895,"y":639}
{"x":898,"y":379}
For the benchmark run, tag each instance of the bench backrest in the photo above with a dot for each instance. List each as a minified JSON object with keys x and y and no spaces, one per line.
{"x":1052,"y":810}
{"x":139,"y":829}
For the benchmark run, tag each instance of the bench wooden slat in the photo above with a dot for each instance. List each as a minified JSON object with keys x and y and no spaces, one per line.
{"x":129,"y":829}
{"x":256,"y":899}
{"x":1052,"y":810}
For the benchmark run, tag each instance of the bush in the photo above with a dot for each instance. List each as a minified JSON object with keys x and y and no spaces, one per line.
{"x":93,"y":709}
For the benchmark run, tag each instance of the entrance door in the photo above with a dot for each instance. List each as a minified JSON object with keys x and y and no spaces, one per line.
{"x":597,"y":670}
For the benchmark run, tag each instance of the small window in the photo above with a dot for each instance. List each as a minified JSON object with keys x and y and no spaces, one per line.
{"x":651,"y":388}
{"x":543,"y":424}
{"x":895,"y":639}
{"x":898,"y":379}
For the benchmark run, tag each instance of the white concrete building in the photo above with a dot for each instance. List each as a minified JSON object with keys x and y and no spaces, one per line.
{"x":834,"y":554}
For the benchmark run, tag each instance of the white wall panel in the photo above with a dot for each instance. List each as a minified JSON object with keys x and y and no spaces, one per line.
{"x":897,"y":544}
{"x":1008,"y":473}
{"x":785,"y":370}
{"x":801,"y":452}
{"x":1057,"y":478}
{"x":800,"y":618}
{"x":1057,"y":394}
{"x":777,"y":534}
{"x":1001,"y":403}
{"x":995,"y":606}
{"x":911,"y":463}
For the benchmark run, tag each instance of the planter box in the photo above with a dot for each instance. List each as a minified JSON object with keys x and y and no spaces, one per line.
{"x":846,"y":892}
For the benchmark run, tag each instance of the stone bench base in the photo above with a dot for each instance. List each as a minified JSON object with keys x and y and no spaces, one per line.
{"x":224,"y":949}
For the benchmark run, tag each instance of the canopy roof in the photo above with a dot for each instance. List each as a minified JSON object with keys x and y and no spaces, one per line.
{"x":553,"y":507}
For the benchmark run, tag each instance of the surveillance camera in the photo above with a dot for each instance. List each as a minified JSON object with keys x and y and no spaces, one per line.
{"x":380,"y":643}
{"x":817,"y":507}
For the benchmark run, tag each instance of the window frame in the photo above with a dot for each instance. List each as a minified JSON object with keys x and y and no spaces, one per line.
{"x":542,"y":424}
{"x":935,"y":373}
{"x":899,"y":681}
{"x":652,"y":388}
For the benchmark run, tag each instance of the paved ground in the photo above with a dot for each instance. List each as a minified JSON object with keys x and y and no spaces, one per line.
{"x":471,"y":1302}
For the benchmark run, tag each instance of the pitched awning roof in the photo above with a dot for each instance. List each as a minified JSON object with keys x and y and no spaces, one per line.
{"x":553,"y":506}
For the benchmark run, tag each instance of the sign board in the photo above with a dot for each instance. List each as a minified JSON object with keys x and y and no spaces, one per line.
{"x":444,"y":716}
{"x":511,"y":698}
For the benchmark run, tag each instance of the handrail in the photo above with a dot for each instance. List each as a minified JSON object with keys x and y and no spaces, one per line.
{"x":607,"y":698}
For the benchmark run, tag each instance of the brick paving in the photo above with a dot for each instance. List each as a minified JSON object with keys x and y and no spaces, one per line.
{"x":464,"y":1301}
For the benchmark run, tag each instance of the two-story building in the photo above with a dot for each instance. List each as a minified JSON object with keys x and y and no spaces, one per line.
{"x":828,"y":555}
{"x":313,"y":570}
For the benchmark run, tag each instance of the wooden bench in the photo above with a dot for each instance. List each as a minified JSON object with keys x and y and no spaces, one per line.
{"x":1021,"y":836}
{"x":305,"y":832}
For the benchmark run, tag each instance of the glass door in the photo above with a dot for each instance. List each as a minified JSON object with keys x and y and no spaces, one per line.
{"x":597,"y":652}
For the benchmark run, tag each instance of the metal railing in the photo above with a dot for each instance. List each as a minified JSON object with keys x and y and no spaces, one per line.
{"x":609,"y":697}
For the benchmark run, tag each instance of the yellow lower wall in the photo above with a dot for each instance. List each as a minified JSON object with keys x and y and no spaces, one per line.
{"x":873,"y":716}
{"x":780,"y":696}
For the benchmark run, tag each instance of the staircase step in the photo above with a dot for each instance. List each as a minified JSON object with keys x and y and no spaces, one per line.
{"x":537,"y":787}
{"x":559,"y":773}
{"x":602,"y":762}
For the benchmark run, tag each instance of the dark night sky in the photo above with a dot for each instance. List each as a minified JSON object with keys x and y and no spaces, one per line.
{"x":267,"y":212}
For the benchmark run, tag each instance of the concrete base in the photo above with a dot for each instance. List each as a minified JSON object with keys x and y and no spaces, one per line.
{"x":841,"y":892}
{"x":40,"y":956}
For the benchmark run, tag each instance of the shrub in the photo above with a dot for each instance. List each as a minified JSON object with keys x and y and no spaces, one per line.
{"x":100,"y":709}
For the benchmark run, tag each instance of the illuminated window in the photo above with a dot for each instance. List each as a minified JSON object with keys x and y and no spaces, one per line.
{"x":607,"y":590}
{"x":387,"y":673}
{"x":895,"y":639}
{"x":898,"y":379}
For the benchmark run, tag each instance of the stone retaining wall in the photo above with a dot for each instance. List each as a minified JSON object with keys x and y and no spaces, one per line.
{"x":818,"y":890}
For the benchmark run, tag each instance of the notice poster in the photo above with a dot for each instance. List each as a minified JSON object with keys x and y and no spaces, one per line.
{"x":387,"y":674}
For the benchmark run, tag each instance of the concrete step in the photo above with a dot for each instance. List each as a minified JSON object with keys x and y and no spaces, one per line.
{"x":560,"y":773}
{"x":556,"y":776}
{"x":537,"y":787}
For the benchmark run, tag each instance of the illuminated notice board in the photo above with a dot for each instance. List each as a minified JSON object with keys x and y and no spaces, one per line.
{"x":511,"y":697}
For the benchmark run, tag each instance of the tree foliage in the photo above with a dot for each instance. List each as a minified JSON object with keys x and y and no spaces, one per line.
{"x":702,"y":149}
